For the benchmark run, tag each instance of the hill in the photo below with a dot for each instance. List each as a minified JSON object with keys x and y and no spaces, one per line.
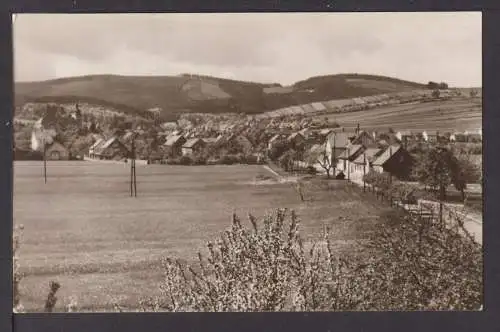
{"x":204,"y":94}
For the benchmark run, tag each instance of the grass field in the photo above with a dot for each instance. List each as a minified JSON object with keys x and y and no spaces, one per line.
{"x":449,"y":115}
{"x":83,"y":230}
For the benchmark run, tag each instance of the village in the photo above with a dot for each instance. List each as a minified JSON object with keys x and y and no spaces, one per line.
{"x":285,"y":143}
{"x":245,"y":138}
{"x":208,"y":165}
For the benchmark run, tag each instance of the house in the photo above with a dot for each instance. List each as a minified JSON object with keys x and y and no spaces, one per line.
{"x":296,"y":139}
{"x":193,"y":145}
{"x":395,"y":160}
{"x":111,"y":149}
{"x":363,"y":163}
{"x":430,"y":136}
{"x":95,"y":146}
{"x":173,"y":145}
{"x":210,"y":140}
{"x":404,"y":136}
{"x":336,"y":144}
{"x":347,"y":157}
{"x":474,"y":137}
{"x":56,"y":151}
{"x":241,"y":141}
{"x":458,"y":137}
{"x":276,"y":139}
{"x":363,"y":138}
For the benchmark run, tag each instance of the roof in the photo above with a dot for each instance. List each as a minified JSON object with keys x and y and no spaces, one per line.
{"x":432,"y":132}
{"x":56,"y":144}
{"x":292,"y":136}
{"x":275,"y":138}
{"x":192,"y":142}
{"x":127,"y":135}
{"x":370,"y":154}
{"x":211,"y":140}
{"x":108,"y":143}
{"x":386,"y":155}
{"x":325,"y":131}
{"x":171,"y":140}
{"x":351,"y":150}
{"x":317,"y":148}
{"x":97,"y":143}
{"x":339,"y":140}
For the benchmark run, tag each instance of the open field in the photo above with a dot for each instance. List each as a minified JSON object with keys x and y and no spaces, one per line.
{"x":83,"y":230}
{"x":449,"y":115}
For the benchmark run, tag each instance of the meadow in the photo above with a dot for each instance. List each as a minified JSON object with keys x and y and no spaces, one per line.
{"x":84,"y":230}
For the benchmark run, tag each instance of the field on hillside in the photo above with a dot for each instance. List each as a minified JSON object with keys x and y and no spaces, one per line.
{"x":449,"y":115}
{"x":83,"y":230}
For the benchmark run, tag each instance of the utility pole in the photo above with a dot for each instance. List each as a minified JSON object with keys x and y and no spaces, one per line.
{"x":133,"y":178}
{"x":44,"y":159}
{"x":364,"y":171}
{"x":390,"y":155}
{"x":333,"y":153}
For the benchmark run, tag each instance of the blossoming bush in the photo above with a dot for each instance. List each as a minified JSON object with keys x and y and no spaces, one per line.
{"x":410,"y":264}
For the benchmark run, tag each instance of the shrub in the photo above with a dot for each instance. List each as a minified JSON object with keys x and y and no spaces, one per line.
{"x":185,"y":160}
{"x":16,"y":273}
{"x":199,"y":160}
{"x":228,"y":160}
{"x":311,"y":170}
{"x":410,"y":264}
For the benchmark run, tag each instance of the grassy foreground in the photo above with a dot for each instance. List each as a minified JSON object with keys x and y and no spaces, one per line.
{"x":105,"y":247}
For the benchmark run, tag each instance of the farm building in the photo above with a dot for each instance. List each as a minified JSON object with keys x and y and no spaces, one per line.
{"x":193,"y":145}
{"x":394,"y":160}
{"x":173,"y":145}
{"x":56,"y":151}
{"x":111,"y":149}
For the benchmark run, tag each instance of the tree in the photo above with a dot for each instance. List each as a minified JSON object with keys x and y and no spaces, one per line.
{"x":465,"y":171}
{"x":287,"y":160}
{"x":435,"y":93}
{"x":443,"y":86}
{"x":321,"y":157}
{"x":435,"y":170}
{"x":439,"y":168}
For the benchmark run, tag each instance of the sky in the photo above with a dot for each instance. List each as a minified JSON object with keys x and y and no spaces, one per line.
{"x":260,"y":47}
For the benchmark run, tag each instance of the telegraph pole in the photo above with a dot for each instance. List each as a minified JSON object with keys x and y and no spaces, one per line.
{"x":364,"y":171}
{"x":44,"y":160}
{"x":133,"y":178}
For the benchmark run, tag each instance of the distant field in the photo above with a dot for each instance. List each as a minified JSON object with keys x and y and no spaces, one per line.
{"x":84,"y":230}
{"x":451,"y":115}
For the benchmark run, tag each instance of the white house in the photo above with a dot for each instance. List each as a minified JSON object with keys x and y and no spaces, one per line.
{"x":363,"y":163}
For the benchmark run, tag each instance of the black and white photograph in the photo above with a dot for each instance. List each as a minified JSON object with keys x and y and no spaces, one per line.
{"x":247,"y":162}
